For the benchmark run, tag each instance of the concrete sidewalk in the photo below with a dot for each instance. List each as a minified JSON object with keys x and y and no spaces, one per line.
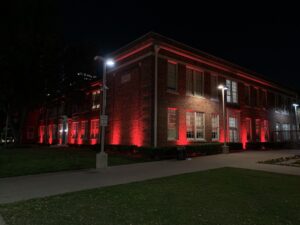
{"x":33,"y":186}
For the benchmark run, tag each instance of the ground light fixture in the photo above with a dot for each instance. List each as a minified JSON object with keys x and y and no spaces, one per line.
{"x":223,"y":88}
{"x":101,"y":157}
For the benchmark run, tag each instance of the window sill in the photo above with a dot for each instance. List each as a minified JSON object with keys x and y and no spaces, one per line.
{"x":196,"y":140}
{"x":214,"y":99}
{"x":196,"y":96}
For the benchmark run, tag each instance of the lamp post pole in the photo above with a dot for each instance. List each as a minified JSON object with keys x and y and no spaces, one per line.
{"x":296,"y":119}
{"x":225,"y":148}
{"x":101,"y":157}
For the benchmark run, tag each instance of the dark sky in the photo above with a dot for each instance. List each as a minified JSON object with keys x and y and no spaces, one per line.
{"x":263,"y":38}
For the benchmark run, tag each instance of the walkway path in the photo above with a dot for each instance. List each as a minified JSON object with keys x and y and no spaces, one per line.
{"x":27,"y":187}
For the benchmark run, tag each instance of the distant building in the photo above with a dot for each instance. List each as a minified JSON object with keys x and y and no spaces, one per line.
{"x":161,"y":93}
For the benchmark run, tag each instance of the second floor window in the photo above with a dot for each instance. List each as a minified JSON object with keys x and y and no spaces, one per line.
{"x":232,"y":91}
{"x":96,"y":100}
{"x":247,"y":95}
{"x":194,"y":82}
{"x":214,"y":86}
{"x":172,"y":76}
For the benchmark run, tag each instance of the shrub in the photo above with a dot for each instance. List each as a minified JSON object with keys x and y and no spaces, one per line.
{"x":204,"y":149}
{"x":235,"y":146}
{"x":158,"y":153}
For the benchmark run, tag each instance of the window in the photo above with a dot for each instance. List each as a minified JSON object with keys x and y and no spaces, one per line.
{"x":247,"y":95}
{"x":30,"y":133}
{"x":276,"y":100}
{"x":249,"y":130}
{"x":83,"y":129}
{"x":286,"y":131}
{"x":74,"y":130}
{"x":172,"y":124}
{"x":195,"y":125}
{"x":194,"y":82}
{"x":189,"y":82}
{"x":54,"y":131}
{"x":214,"y":86}
{"x":264,"y":98}
{"x":277,"y":132}
{"x":215,"y":127}
{"x":233,"y":129}
{"x":255,"y":97}
{"x":96,"y":100}
{"x":265,"y":130}
{"x":60,"y":131}
{"x":172,"y":79}
{"x":94,"y":132}
{"x":257,"y":130}
{"x":231,"y":93}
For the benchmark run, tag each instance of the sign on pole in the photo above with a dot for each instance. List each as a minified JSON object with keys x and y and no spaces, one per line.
{"x":104,"y":120}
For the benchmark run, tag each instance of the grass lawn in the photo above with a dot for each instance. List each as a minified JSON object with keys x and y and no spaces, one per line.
{"x":225,"y":196}
{"x":23,"y":161}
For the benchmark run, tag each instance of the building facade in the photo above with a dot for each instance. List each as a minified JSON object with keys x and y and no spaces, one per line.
{"x":162,"y":92}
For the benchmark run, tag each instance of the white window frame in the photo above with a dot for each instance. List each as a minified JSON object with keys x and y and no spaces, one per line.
{"x":194,"y":126}
{"x":236,"y":138}
{"x":176,"y":76}
{"x":195,"y":73}
{"x":215,"y":127}
{"x":230,"y":94}
{"x":171,"y":125}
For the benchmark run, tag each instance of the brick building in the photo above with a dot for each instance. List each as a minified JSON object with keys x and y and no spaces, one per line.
{"x":162,"y":92}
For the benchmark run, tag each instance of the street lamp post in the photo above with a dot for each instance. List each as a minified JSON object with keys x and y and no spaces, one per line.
{"x":101,"y":158}
{"x":296,"y":118}
{"x":223,"y":88}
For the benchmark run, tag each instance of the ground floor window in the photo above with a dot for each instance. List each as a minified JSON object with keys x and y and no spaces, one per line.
{"x":83,"y":130}
{"x":74,"y":131}
{"x":30,"y":133}
{"x":257,"y":130}
{"x":195,"y":125}
{"x":94,"y":133}
{"x":286,"y":128}
{"x":249,"y":130}
{"x":277,"y":132}
{"x":215,"y":127}
{"x":233,"y":129}
{"x":265,"y":130}
{"x":172,"y":124}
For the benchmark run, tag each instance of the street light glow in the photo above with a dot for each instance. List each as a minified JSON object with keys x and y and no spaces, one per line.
{"x":221,"y":86}
{"x":295,"y":104}
{"x":110,"y":62}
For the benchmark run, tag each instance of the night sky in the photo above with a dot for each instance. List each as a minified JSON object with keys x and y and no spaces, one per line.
{"x":261,"y":38}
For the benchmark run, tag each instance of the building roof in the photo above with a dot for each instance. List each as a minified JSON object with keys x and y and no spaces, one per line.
{"x":155,"y":38}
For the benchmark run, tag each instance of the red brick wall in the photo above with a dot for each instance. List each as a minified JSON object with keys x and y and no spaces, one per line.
{"x":130,"y":104}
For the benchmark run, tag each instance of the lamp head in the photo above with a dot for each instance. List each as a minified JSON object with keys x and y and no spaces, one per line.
{"x":110,"y":62}
{"x":295,"y":104}
{"x":222,"y":87}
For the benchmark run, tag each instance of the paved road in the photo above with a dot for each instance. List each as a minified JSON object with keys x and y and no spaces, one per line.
{"x":33,"y":186}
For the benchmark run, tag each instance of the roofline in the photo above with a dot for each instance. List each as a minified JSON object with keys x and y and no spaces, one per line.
{"x":152,"y":38}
